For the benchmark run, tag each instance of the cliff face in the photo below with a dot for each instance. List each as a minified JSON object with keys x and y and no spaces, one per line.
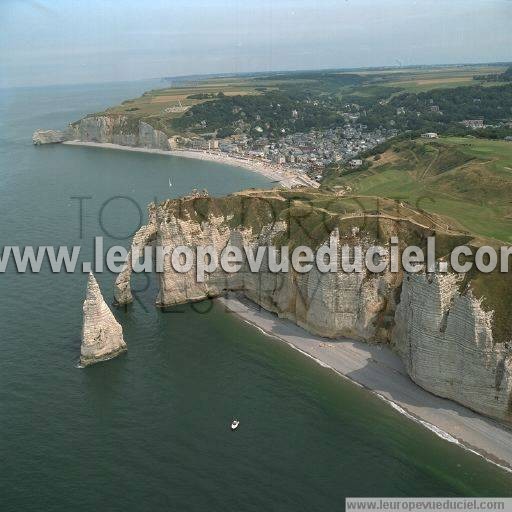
{"x":446,"y":341}
{"x":48,"y":137}
{"x":118,"y":129}
{"x":311,"y":300}
{"x":102,"y":336}
{"x":444,"y":337}
{"x":122,"y":290}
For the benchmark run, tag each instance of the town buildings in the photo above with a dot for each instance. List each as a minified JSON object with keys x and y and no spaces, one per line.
{"x":302,"y":152}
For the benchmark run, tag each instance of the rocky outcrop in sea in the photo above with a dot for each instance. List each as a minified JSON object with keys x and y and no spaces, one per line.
{"x":102,"y":335}
{"x":48,"y":137}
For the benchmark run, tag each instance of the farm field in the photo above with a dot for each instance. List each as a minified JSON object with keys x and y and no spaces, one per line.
{"x":425,"y":79}
{"x":370,"y":83}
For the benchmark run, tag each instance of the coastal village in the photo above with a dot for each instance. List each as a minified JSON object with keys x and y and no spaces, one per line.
{"x":295,"y":136}
{"x":306,"y":154}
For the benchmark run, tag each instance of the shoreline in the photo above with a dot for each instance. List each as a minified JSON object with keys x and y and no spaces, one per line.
{"x":285,"y":177}
{"x":380,"y":371}
{"x":374,"y":367}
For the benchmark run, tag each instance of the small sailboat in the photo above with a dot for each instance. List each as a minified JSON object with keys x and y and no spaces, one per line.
{"x":170,"y":184}
{"x":234,"y":424}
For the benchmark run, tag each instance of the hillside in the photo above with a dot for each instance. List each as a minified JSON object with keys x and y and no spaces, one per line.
{"x":469,"y":181}
{"x":265,"y":100}
{"x":442,"y":110}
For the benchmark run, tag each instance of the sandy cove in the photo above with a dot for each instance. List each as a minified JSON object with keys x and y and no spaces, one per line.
{"x":286,"y":177}
{"x":378,"y":369}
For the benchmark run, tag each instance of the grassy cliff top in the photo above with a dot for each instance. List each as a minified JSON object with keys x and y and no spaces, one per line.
{"x":467,"y":181}
{"x":311,"y":215}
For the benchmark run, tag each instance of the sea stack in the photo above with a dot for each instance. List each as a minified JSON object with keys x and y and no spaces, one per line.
{"x":102,"y":335}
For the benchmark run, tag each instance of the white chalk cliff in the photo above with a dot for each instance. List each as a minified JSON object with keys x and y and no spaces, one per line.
{"x":102,"y":335}
{"x":444,"y":336}
{"x":113,"y":129}
{"x":48,"y":137}
{"x":445,"y":339}
{"x":118,"y":129}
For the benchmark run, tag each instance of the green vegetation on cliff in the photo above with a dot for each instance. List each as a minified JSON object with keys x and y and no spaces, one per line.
{"x":466,"y":180}
{"x":310,"y":215}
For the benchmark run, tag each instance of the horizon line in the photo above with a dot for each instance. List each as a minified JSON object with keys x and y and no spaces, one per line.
{"x":204,"y":76}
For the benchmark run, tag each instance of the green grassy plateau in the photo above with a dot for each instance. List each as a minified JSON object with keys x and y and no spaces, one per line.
{"x":467,"y":181}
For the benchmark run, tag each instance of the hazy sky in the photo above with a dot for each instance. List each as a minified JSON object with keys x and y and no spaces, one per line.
{"x":47,"y":42}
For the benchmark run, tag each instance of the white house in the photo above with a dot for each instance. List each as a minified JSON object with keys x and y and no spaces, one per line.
{"x":356,"y":162}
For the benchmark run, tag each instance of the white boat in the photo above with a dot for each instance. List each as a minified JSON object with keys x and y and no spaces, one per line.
{"x":170,"y":184}
{"x":235,"y":424}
